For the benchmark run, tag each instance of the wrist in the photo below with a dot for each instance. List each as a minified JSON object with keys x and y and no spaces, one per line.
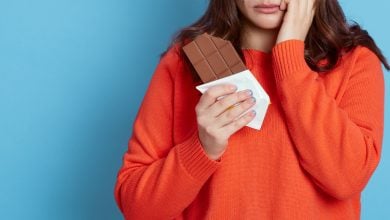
{"x":288,"y":59}
{"x":214,"y":157}
{"x":282,"y":38}
{"x":212,"y":154}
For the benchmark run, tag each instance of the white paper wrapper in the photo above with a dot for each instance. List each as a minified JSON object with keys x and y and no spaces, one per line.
{"x":245,"y":80}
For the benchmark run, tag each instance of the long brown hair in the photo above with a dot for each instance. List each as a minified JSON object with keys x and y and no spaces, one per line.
{"x":329,"y":35}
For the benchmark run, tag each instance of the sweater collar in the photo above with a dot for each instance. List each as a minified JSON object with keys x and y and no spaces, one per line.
{"x":255,"y":57}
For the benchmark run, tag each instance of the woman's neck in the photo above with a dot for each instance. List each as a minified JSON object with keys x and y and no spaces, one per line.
{"x":259,"y":39}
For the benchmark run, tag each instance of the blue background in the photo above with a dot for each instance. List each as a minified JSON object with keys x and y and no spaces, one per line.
{"x":72,"y":76}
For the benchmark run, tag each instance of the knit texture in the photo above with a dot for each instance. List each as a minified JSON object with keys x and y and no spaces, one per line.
{"x":319,"y":144}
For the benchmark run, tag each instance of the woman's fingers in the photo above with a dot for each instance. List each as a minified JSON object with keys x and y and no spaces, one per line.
{"x":237,"y":124}
{"x":214,"y":101}
{"x":298,"y":7}
{"x":297,"y":20}
{"x":212,"y":94}
{"x":233,"y":113}
{"x":228,"y":102}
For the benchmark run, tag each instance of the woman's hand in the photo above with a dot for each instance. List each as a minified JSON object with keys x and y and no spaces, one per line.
{"x":297,"y":20}
{"x":218,"y":117}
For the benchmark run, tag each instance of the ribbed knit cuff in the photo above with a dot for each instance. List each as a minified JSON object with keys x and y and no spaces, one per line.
{"x":194,"y":159}
{"x":288,"y":59}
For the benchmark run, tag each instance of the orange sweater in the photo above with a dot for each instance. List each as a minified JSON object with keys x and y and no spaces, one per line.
{"x":318,"y":146}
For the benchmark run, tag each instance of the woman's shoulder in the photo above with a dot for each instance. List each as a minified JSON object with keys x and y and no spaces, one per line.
{"x":172,"y":59}
{"x":360,"y":55}
{"x":359,"y":63}
{"x":172,"y":55}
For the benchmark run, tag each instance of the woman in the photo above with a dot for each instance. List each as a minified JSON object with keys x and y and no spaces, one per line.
{"x":191,"y":157}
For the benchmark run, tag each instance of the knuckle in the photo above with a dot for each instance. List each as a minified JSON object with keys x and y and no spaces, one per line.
{"x":200,"y":120}
{"x":243,"y":120}
{"x":242,"y":106}
{"x":223,"y":103}
{"x":246,"y":119}
{"x":246,"y":105}
{"x":209,"y":94}
{"x":229,"y":101}
{"x":227,"y":88}
{"x":198,"y":109}
{"x":250,"y":102}
{"x":239,"y":108}
{"x":233,"y":98}
{"x":240,"y":96}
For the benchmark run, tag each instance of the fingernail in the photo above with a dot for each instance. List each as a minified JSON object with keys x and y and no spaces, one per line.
{"x":253,"y":113}
{"x":232,"y":87}
{"x":248,"y":92}
{"x":253,"y":100}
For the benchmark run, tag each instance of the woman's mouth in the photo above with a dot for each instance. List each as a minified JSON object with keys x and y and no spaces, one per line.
{"x":267,"y":8}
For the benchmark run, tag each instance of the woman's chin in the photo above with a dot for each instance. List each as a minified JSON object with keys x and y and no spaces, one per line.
{"x":267,"y":25}
{"x":268,"y":21}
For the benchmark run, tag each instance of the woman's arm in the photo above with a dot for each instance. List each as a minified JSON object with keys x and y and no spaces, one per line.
{"x":339,"y":144}
{"x":159,"y":180}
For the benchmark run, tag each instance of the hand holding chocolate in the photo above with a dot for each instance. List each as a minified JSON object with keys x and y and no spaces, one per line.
{"x":217,"y":62}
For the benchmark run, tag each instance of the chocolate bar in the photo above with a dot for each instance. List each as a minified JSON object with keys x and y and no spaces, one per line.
{"x":213,"y":58}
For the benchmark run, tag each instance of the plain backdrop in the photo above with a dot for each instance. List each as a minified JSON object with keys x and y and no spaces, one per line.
{"x":72,"y":76}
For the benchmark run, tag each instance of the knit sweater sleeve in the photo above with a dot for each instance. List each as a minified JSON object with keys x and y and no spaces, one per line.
{"x":338,"y":143}
{"x":158,"y":179}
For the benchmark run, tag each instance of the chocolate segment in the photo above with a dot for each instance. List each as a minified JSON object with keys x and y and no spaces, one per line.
{"x":213,"y":58}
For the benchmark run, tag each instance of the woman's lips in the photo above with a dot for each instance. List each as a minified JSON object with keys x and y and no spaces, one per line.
{"x":267,"y":9}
